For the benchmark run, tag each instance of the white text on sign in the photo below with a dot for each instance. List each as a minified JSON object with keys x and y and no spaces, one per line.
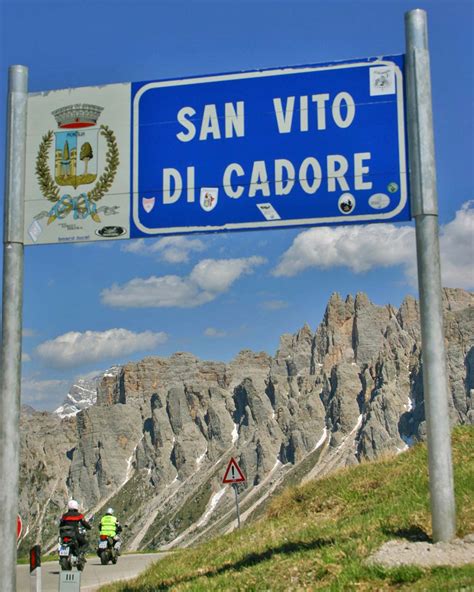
{"x":282,"y":175}
{"x":338,"y":172}
{"x":229,"y":121}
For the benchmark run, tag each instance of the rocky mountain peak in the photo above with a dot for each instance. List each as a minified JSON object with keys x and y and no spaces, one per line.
{"x":81,"y":395}
{"x":457,"y":299}
{"x":157,"y":440}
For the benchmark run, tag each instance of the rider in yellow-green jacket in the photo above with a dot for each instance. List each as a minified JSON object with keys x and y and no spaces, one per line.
{"x":109,"y":525}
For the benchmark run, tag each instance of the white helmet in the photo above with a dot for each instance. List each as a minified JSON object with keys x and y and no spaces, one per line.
{"x":72,"y":505}
{"x":110,"y":511}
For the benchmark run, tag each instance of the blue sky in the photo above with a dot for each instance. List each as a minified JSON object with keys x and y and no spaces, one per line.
{"x":92,"y":305}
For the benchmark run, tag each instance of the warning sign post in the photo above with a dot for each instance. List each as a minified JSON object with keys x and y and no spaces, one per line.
{"x":232,"y":476}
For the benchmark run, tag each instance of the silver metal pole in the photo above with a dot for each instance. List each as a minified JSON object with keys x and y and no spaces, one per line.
{"x":425,"y":211}
{"x":10,"y":380}
{"x":237,"y":504}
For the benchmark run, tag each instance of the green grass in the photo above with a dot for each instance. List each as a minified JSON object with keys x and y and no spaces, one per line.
{"x":318,"y":536}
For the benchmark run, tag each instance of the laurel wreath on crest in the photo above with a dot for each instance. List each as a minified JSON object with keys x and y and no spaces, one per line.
{"x":49,"y":188}
{"x":47,"y":185}
{"x":112,"y":159}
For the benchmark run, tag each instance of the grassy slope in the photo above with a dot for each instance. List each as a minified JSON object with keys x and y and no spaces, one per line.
{"x":316,"y":537}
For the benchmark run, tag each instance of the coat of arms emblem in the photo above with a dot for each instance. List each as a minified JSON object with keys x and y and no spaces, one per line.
{"x":76,"y":162}
{"x":148,"y":204}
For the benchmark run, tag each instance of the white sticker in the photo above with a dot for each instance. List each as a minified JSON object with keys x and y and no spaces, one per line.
{"x":268,"y":211}
{"x":382,"y":81}
{"x":208,"y":198}
{"x":148,"y":204}
{"x":379,"y":201}
{"x":34,"y":230}
{"x":346,"y":203}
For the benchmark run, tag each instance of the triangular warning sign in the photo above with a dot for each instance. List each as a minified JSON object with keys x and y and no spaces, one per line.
{"x":233,"y":473}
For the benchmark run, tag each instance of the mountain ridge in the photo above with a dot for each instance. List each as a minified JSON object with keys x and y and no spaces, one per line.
{"x":157,"y":440}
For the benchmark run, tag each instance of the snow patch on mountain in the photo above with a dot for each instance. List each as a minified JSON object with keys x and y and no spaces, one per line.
{"x":82,"y":394}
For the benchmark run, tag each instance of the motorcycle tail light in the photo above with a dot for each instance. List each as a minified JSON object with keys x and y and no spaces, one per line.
{"x":66,"y":539}
{"x":103,"y":537}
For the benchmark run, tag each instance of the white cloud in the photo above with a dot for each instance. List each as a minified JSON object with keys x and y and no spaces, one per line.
{"x":274,"y":304}
{"x":212,"y":332}
{"x":166,"y":291}
{"x":457,"y":249}
{"x":137,"y":247}
{"x":74,"y":348}
{"x":88,"y":375}
{"x":176,"y":249}
{"x":25,"y":357}
{"x":172,"y":249}
{"x":34,"y":390}
{"x":217,"y":275}
{"x":361,"y":248}
{"x":207,"y":280}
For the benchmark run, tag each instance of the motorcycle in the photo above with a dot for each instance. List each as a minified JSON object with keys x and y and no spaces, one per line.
{"x":108,"y":549}
{"x":69,"y":554}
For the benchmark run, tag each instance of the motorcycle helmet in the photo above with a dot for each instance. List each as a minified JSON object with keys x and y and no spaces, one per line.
{"x":110,"y":511}
{"x":72,"y":505}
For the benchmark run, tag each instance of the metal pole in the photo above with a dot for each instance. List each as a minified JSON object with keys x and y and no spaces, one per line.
{"x":35,"y":580}
{"x":237,"y":504}
{"x":425,"y":211}
{"x":10,"y":380}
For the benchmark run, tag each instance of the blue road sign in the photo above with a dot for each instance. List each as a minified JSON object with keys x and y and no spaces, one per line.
{"x":301,"y":146}
{"x":319,"y":144}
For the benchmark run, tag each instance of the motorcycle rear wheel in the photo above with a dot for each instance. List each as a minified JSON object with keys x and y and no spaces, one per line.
{"x":65,"y":563}
{"x":104,"y":557}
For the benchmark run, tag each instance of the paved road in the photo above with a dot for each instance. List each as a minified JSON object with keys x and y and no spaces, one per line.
{"x":94,"y":574}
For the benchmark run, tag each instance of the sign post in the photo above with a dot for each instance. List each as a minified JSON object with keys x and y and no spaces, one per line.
{"x":234,"y":475}
{"x":70,"y":581}
{"x":425,"y":212}
{"x":35,"y":568}
{"x":12,"y":305}
{"x":234,"y":486}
